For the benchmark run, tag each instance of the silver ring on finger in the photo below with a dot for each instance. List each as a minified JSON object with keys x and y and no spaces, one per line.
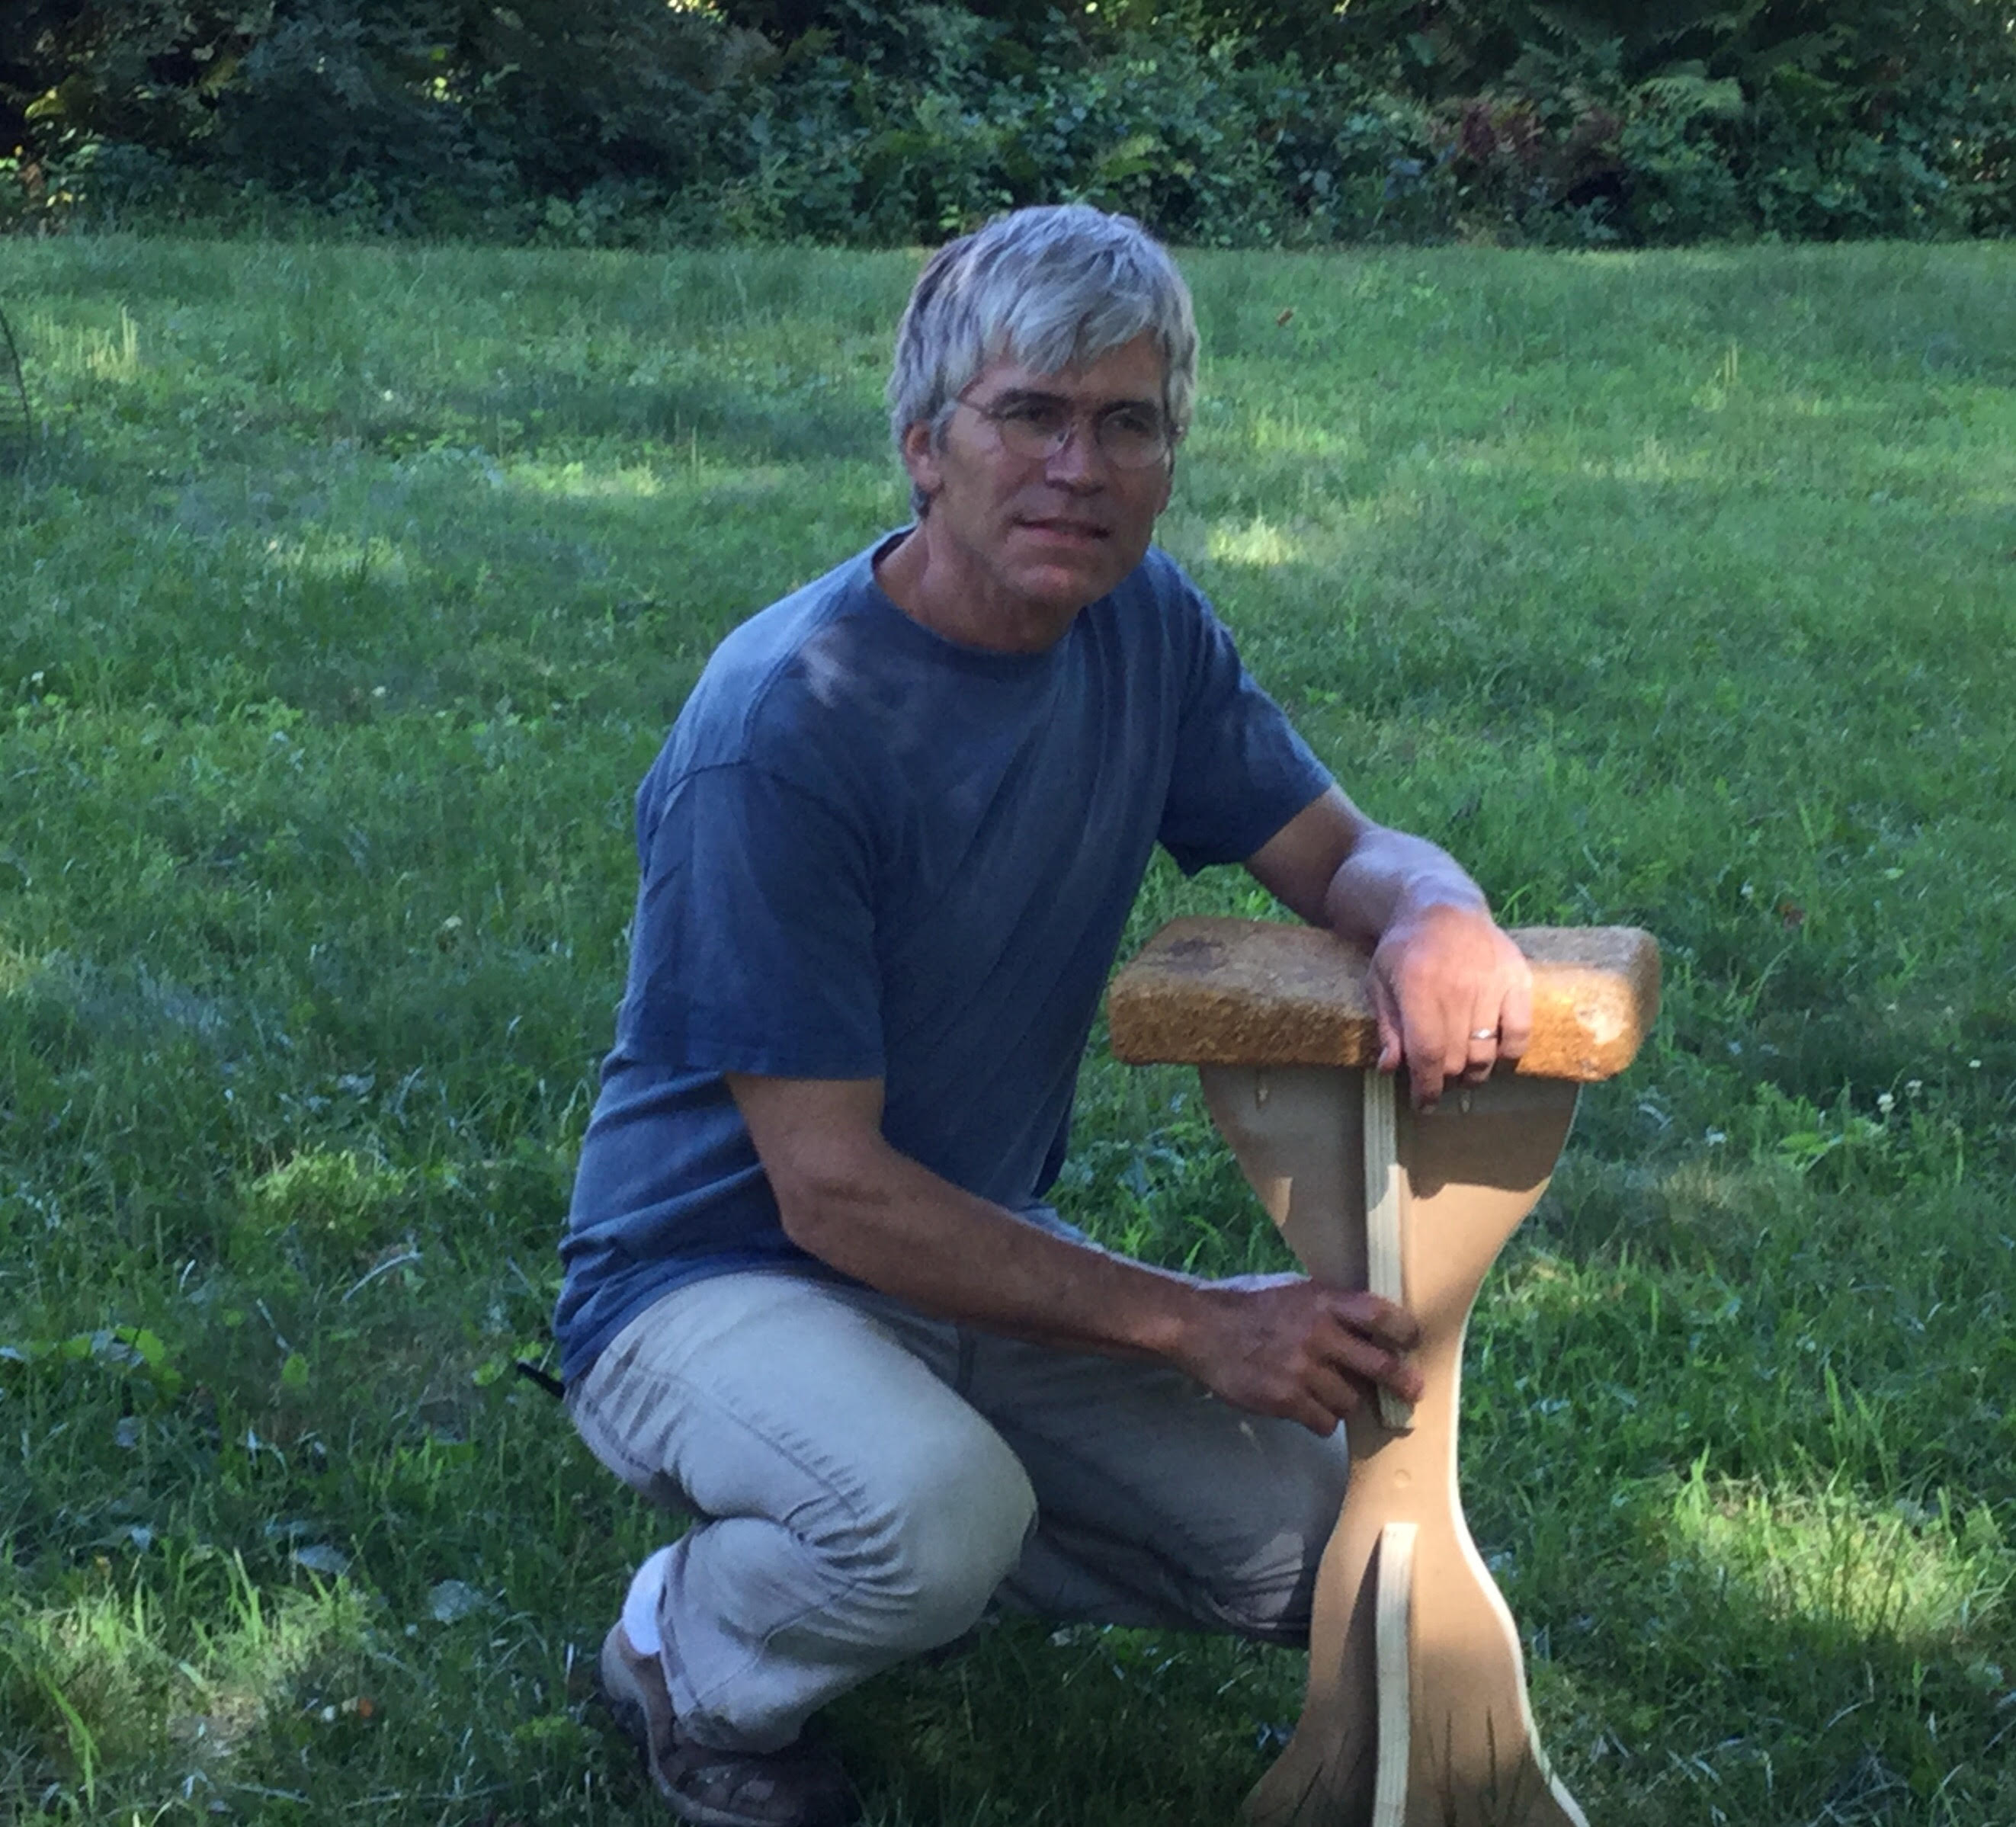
{"x":1484,"y":1033}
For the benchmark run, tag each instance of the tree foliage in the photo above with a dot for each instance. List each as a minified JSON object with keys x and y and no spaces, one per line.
{"x":1587,"y":121}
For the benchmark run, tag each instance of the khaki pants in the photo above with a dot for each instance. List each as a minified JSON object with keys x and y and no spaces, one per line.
{"x":865,"y":1480}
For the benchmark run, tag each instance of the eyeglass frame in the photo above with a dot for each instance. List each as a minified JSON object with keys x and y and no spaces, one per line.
{"x":998,"y":413}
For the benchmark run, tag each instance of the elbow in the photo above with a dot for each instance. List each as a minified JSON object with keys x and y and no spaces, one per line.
{"x":805,"y":1220}
{"x":819,"y":1204}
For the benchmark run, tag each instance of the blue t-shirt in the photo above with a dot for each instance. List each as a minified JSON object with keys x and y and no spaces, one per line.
{"x":868,"y":852}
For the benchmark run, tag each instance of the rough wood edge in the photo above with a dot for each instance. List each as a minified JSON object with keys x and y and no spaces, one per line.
{"x":1224,"y":991}
{"x":1385,"y":1221}
{"x":1392,"y":1624}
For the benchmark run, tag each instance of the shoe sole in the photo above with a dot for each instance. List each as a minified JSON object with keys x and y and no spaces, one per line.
{"x":633,"y":1720}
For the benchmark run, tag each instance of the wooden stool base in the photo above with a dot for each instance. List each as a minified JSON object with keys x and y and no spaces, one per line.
{"x":1468,"y":1755}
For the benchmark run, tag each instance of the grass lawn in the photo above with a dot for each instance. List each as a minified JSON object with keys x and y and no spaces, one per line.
{"x":350,"y":593}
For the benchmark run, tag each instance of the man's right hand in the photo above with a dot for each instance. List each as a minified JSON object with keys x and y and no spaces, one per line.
{"x":1282,"y":1345}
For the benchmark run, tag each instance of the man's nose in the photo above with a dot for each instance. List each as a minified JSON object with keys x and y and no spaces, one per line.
{"x":1077,"y":463}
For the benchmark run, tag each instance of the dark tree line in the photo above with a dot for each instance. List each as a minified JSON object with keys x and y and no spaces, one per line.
{"x":1230,"y":120}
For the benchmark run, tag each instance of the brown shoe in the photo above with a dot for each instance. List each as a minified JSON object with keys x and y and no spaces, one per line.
{"x":802,"y":1785}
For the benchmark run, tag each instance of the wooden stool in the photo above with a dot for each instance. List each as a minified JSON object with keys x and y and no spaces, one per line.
{"x":1417,"y":1713}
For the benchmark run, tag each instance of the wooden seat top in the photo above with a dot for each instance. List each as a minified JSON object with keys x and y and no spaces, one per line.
{"x":1221,"y":991}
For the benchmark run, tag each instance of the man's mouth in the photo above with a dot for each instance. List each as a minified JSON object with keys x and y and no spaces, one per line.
{"x":1066,"y":529}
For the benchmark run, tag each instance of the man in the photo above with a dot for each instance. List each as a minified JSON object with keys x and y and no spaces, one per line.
{"x":814,"y":1296}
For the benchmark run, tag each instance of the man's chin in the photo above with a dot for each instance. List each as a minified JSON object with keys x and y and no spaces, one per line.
{"x":1068,"y":582}
{"x":1062,"y":594}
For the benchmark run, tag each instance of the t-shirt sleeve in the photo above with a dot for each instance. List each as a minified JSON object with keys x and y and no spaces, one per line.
{"x":753,"y":946}
{"x":1241,"y":772}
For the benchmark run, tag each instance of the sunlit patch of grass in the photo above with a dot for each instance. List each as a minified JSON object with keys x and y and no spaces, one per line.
{"x":17,"y":968}
{"x":1849,"y":1567}
{"x":111,"y":353}
{"x":330,"y":1198}
{"x":577,"y":481}
{"x":380,"y":560}
{"x":102,"y":1682}
{"x":1257,"y":545}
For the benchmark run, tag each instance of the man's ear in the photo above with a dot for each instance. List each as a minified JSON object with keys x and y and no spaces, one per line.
{"x":920,"y":457}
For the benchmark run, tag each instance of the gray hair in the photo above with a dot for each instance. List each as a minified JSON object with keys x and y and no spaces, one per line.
{"x":1053,"y":287}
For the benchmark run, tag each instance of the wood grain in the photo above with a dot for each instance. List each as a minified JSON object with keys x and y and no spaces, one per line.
{"x":1224,"y":991}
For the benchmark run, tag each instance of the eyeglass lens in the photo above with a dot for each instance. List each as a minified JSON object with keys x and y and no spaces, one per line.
{"x":1128,"y":437}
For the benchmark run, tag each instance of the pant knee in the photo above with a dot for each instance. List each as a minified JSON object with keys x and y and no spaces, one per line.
{"x":1316,"y":1495}
{"x":1274,"y":1595}
{"x":951,"y":1532}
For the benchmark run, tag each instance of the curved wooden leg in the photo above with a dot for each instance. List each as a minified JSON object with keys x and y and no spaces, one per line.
{"x":1472,"y":1171}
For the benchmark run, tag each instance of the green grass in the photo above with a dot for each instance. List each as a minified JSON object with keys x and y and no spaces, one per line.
{"x":348,"y":596}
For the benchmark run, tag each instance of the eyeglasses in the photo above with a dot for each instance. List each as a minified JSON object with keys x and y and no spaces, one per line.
{"x":1036,"y":427}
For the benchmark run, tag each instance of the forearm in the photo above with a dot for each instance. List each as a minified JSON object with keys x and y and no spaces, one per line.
{"x":877,"y":1215}
{"x":1390,"y":877}
{"x":1277,"y":1345}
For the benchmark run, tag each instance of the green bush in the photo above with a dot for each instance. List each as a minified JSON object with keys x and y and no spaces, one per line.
{"x":602,"y":122}
{"x":1207,"y":148}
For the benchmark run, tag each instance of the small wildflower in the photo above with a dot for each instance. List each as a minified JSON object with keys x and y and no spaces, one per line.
{"x":1973,"y":1065}
{"x":1716,"y":1138}
{"x":1886,"y":1103}
{"x":1913,"y":1087}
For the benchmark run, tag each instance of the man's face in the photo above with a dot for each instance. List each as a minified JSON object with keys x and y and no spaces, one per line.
{"x":1023,"y":543}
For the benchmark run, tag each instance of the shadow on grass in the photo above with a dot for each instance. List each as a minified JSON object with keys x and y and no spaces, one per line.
{"x":1804,"y":1659}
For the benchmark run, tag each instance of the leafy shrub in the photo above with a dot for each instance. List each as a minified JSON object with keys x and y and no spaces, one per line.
{"x":335,"y":93}
{"x":1682,"y":186}
{"x":959,"y":119}
{"x":635,"y":122}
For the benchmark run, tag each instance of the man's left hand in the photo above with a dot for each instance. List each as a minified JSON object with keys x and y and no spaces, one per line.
{"x":1453,"y":996}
